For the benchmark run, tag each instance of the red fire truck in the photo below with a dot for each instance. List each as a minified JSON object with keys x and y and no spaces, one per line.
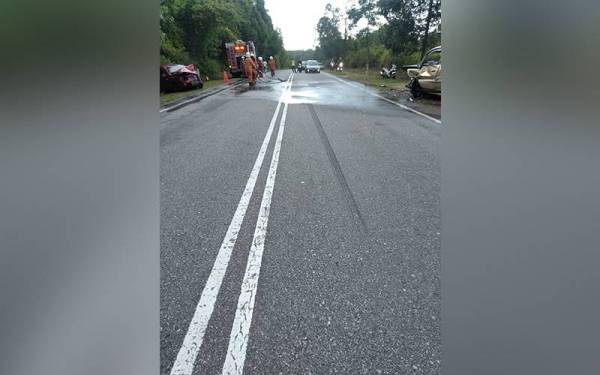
{"x":234,"y":52}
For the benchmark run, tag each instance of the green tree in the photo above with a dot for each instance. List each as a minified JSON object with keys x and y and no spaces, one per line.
{"x":401,"y":32}
{"x":330,"y":37}
{"x":171,"y":36}
{"x":367,"y":10}
{"x":195,"y":31}
{"x":428,"y":14}
{"x":206,"y":25}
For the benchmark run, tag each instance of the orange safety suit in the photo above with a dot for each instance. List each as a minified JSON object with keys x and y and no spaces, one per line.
{"x":250,"y":68}
{"x":272,"y":67}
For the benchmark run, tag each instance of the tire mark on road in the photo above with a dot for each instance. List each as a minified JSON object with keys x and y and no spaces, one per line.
{"x":337,"y":171}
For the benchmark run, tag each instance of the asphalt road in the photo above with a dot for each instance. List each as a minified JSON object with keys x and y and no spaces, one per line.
{"x":329,"y":263}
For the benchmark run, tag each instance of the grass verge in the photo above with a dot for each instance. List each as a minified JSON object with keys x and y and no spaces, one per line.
{"x":172,"y":96}
{"x":374,"y":79}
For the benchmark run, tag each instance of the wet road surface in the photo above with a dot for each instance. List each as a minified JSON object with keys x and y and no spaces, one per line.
{"x":300,"y":233}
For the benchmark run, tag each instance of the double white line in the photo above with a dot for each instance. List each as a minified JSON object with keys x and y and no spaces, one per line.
{"x":236,"y":352}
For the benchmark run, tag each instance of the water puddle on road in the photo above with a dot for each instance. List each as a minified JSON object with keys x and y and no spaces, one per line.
{"x":330,"y":93}
{"x":304,"y":97}
{"x":245,"y":88}
{"x":265,"y":88}
{"x":317,"y":90}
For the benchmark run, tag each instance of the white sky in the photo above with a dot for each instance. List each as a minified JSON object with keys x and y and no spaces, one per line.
{"x":298,"y":19}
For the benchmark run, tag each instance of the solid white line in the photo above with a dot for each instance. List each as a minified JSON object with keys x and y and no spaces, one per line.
{"x":184,"y":364}
{"x":238,"y":340}
{"x":388,"y":100}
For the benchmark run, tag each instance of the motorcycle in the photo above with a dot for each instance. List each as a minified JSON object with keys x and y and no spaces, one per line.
{"x":388,"y":73}
{"x":340,"y":67}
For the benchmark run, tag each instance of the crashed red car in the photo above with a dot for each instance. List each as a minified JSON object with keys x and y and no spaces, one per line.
{"x":176,"y":77}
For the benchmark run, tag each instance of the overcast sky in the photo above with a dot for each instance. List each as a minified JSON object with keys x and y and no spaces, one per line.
{"x":298,"y":19}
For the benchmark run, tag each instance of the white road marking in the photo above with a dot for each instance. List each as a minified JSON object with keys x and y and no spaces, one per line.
{"x":238,"y":340}
{"x":387,"y":100}
{"x":184,"y":363}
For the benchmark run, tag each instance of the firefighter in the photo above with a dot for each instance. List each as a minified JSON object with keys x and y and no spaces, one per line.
{"x":250,"y":69}
{"x":243,"y":64}
{"x":272,"y":66}
{"x":255,"y":67}
{"x":260,"y":66}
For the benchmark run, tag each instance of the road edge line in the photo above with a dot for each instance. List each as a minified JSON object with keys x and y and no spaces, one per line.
{"x":407,"y":108}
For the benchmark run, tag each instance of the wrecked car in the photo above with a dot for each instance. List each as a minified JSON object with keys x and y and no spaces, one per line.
{"x":176,"y":77}
{"x":426,"y":77}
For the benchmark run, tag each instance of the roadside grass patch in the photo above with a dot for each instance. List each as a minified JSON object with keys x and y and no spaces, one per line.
{"x":374,"y":79}
{"x":172,"y":96}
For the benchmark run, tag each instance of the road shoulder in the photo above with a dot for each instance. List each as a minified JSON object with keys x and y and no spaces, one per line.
{"x":197,"y":95}
{"x":395,"y":90}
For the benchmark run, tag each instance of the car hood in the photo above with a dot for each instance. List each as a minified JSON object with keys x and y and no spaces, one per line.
{"x":180,"y":69}
{"x":414,"y":66}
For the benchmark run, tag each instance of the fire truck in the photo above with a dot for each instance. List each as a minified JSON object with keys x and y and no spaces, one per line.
{"x":234,"y":52}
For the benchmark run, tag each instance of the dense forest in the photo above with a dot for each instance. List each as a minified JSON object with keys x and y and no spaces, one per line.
{"x":395,"y":31}
{"x":195,"y":31}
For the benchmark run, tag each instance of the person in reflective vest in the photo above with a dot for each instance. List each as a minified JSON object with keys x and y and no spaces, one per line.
{"x":250,"y":69}
{"x":272,"y":66}
{"x":260,"y":66}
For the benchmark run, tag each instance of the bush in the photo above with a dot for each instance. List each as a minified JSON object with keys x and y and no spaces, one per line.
{"x":211,"y":68}
{"x":412,"y":58}
{"x":172,"y":54}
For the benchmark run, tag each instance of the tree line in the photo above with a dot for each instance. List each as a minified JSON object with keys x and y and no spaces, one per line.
{"x":195,"y":31}
{"x":395,"y":31}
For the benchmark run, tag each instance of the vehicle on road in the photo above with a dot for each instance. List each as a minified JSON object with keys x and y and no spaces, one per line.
{"x":177,"y":77}
{"x":302,"y":66}
{"x":235,"y":52}
{"x":388,"y":73}
{"x":426,"y":77}
{"x":312,"y":66}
